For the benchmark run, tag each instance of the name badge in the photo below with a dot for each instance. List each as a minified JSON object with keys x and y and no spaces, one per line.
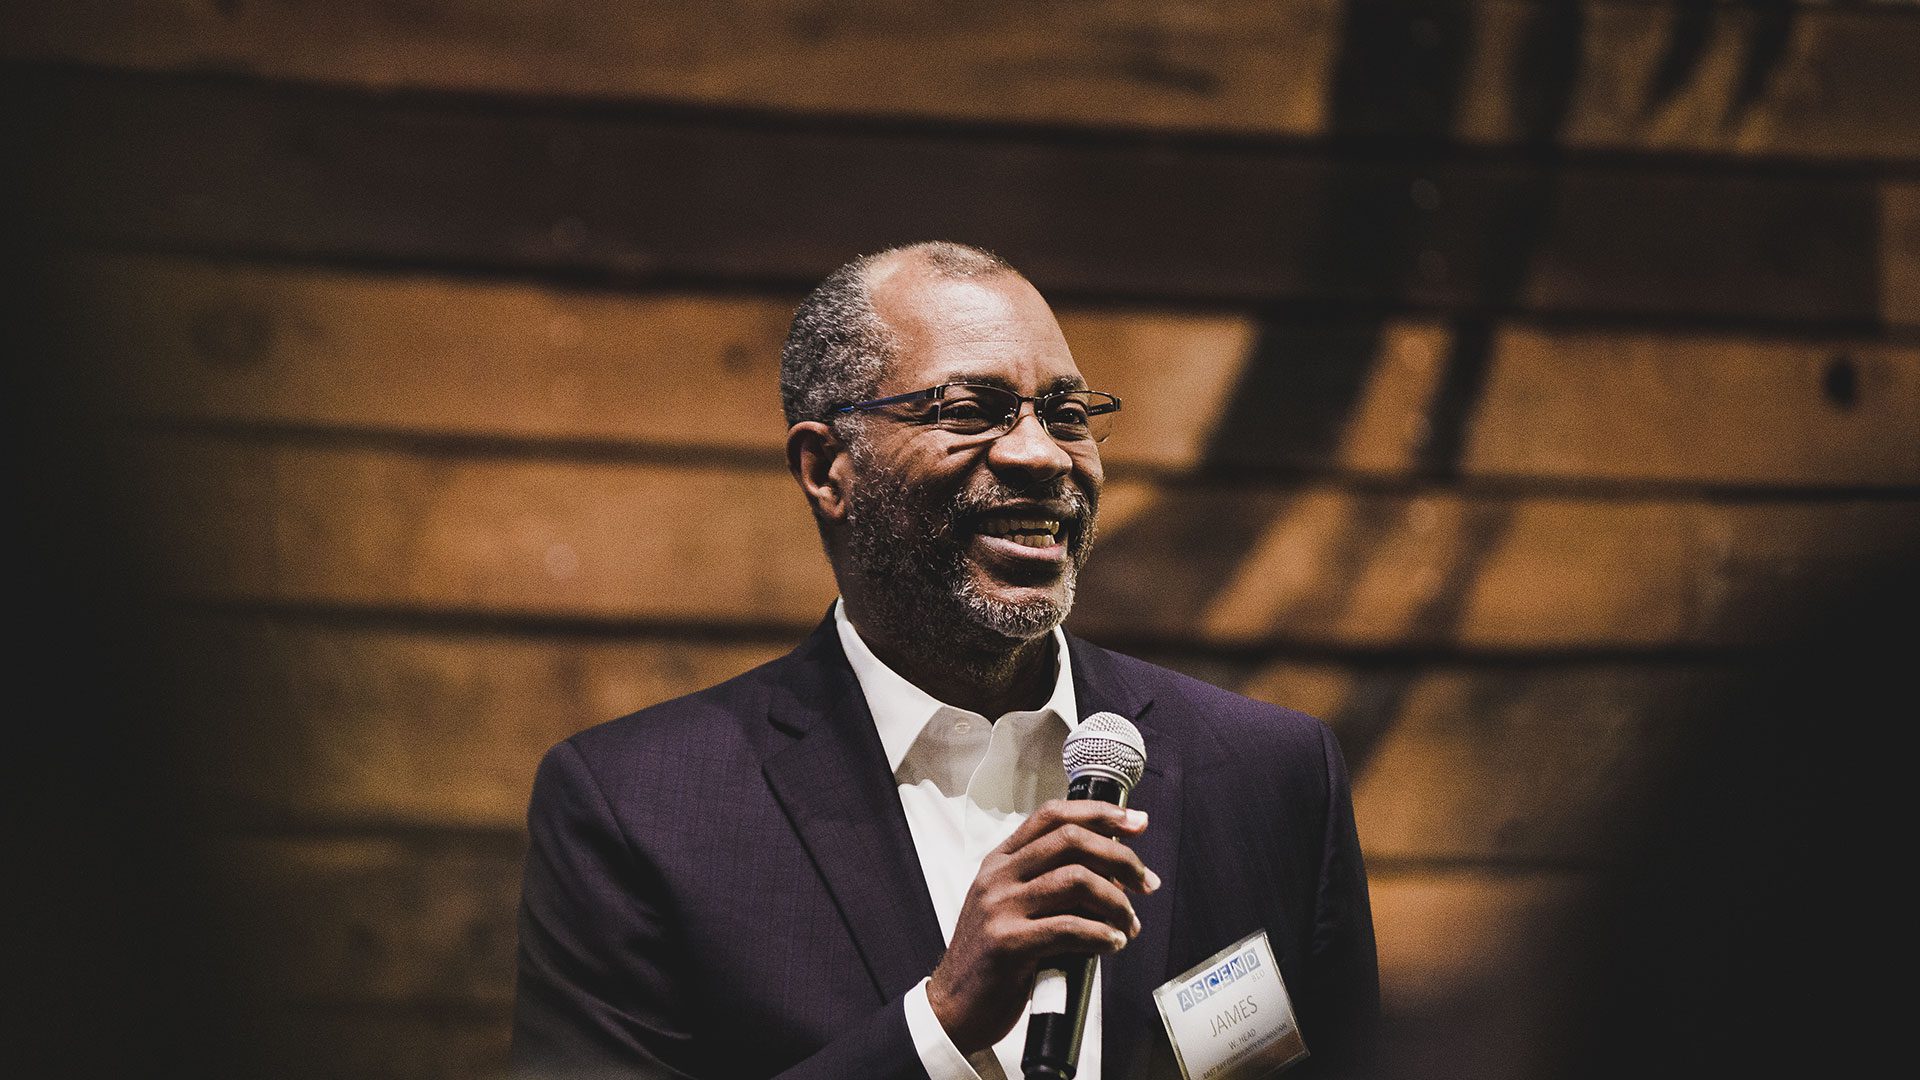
{"x":1230,"y":1018}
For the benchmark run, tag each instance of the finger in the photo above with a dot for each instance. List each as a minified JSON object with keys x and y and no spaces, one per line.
{"x":1064,"y":935}
{"x":1100,"y":817}
{"x":1075,"y":890}
{"x":1076,"y":844}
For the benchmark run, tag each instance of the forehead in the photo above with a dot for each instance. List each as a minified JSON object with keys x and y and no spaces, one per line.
{"x":995,"y":329}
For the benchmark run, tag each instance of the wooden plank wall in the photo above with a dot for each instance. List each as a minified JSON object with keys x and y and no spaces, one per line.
{"x":1500,"y":376}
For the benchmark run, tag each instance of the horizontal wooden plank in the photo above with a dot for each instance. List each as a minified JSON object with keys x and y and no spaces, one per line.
{"x":198,"y":165}
{"x":1555,"y":764}
{"x":388,"y":924}
{"x":250,"y":344}
{"x":390,"y":920}
{"x":1900,"y":223}
{"x":386,"y":920}
{"x":342,"y":725}
{"x":331,"y":725}
{"x":382,"y":529}
{"x":1318,"y":564}
{"x":235,"y":521}
{"x":1797,"y":81}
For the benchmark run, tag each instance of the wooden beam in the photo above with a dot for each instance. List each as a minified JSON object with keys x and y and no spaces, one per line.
{"x":390,"y":920}
{"x":1320,"y":564}
{"x":394,"y":926}
{"x":1556,"y":764}
{"x":1795,"y":81}
{"x":367,"y":727}
{"x":279,"y":524}
{"x":325,"y":725}
{"x":216,"y":166}
{"x":1900,"y":224}
{"x":253,"y":345}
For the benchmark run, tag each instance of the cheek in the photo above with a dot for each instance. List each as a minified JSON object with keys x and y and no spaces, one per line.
{"x":1090,"y":478}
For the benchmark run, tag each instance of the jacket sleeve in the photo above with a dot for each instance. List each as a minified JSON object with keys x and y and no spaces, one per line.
{"x":1341,"y":1015}
{"x":602,"y":967}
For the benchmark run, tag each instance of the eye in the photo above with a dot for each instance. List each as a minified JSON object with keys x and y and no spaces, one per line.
{"x":1068,"y":416}
{"x":967,"y":415}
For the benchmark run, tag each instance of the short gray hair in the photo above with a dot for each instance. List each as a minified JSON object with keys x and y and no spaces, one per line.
{"x":837,"y":349}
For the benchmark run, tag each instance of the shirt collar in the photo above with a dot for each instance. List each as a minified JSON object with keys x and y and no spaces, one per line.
{"x":901,"y":709}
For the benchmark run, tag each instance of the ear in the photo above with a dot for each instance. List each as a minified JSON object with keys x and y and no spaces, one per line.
{"x":821,"y":465}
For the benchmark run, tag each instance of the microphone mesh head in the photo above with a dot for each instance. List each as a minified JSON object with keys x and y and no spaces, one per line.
{"x":1106,"y":743}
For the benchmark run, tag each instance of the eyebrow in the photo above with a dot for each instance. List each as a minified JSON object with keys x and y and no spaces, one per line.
{"x":1054,"y":385}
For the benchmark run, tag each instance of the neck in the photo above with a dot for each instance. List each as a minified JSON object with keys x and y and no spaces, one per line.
{"x":991,"y":676}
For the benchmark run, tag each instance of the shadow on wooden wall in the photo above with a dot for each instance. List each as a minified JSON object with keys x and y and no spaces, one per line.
{"x":1511,"y":384}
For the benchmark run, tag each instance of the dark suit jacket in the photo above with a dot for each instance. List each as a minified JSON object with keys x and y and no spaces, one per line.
{"x":723,"y":886}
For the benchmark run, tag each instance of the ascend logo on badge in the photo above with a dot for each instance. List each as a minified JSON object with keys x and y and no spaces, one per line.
{"x":1218,"y":979}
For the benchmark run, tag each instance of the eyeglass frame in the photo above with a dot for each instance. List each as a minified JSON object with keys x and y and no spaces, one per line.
{"x":938,"y":393}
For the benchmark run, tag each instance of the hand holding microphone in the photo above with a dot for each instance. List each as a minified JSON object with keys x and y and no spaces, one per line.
{"x":1056,"y":888}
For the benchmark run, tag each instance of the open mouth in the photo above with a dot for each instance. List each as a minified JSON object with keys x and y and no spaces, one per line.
{"x":1026,"y":531}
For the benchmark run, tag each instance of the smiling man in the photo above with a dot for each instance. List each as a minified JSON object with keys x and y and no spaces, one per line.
{"x":850,"y":863}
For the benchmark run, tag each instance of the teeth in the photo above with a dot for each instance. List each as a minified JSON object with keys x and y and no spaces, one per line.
{"x":1033,"y":532}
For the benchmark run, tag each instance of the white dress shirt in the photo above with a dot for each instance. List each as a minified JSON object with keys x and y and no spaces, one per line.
{"x":966,"y":784}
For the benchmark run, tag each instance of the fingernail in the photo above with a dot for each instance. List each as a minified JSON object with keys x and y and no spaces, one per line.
{"x":1136,"y":923}
{"x":1119,"y":939}
{"x":1136,"y":819}
{"x":1153,"y":880}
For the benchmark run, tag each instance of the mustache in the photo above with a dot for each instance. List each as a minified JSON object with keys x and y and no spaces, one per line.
{"x":1058,"y":497}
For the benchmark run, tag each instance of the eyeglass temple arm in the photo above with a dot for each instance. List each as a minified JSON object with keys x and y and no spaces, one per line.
{"x":877,"y":403}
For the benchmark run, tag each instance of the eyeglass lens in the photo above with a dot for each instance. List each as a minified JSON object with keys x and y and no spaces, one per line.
{"x":1069,"y":416}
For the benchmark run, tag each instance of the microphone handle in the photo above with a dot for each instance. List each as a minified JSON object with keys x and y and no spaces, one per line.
{"x":1053,"y":1038}
{"x":1089,"y":785}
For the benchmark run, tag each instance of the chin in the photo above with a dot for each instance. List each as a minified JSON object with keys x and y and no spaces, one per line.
{"x":1024,"y":615}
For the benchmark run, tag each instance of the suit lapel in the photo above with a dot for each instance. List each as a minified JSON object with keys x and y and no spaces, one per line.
{"x":826,"y":766}
{"x":831,"y":777}
{"x":1128,"y":978}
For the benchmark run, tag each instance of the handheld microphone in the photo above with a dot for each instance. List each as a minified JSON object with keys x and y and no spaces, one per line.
{"x":1104,"y":757}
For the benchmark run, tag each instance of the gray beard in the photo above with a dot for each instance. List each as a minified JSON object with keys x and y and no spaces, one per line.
{"x":1021,"y":622}
{"x":923,"y":599}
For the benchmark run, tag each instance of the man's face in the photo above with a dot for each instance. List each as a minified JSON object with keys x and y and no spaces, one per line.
{"x":956,"y":534}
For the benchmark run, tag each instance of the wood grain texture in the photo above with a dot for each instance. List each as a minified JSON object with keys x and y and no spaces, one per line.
{"x":1899,"y":275}
{"x":381,"y":930}
{"x":286,"y":524}
{"x":391,"y":920}
{"x":379,"y":920}
{"x":213,"y":166}
{"x":1320,"y":564}
{"x":371,"y":727}
{"x":235,"y":521}
{"x":1799,"y":81}
{"x":1553,"y":765}
{"x":330,"y":725}
{"x":1533,"y":360}
{"x":262,"y":345}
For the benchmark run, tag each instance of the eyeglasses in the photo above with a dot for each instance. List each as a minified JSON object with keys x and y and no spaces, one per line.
{"x":972,"y":409}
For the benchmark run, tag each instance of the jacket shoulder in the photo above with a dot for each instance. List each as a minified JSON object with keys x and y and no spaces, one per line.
{"x":702,"y":738}
{"x":1222,"y":726}
{"x":696,"y":714}
{"x":1213,"y":707}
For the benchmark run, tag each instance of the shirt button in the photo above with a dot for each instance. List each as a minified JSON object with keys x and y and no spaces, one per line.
{"x":961,"y":727}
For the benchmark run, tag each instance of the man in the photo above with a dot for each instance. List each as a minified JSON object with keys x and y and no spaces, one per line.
{"x":850,"y":862}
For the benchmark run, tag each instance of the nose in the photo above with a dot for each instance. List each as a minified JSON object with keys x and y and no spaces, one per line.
{"x":1027,"y":455}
